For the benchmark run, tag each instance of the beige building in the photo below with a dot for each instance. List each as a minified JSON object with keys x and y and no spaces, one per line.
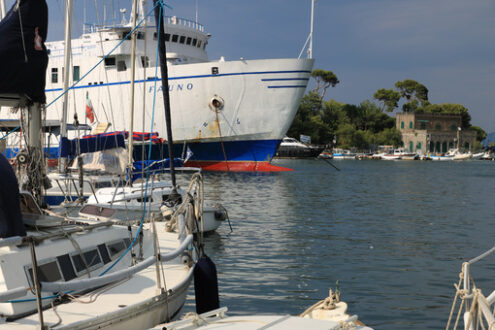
{"x":436,"y":133}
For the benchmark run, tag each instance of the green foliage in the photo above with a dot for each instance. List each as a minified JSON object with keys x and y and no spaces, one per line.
{"x":388,"y":98}
{"x":365,"y":125}
{"x":413,"y":90}
{"x":324,"y":79}
{"x":355,"y":126}
{"x":480,"y":133}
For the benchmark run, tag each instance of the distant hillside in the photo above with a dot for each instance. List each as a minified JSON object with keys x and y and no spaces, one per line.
{"x":490,"y":138}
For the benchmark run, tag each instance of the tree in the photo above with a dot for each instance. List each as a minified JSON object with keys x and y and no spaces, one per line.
{"x":480,"y":133}
{"x":389,"y":136}
{"x":388,"y":98}
{"x":324,"y":79}
{"x":415,"y":94}
{"x":457,"y":109}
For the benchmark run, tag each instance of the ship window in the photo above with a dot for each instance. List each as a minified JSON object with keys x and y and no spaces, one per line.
{"x":167,"y":36}
{"x":92,"y":258}
{"x":110,"y":61}
{"x":121,"y":66}
{"x":104,"y":253}
{"x":182,"y":39}
{"x":115,"y":248}
{"x":145,"y":61}
{"x":48,"y":272}
{"x":175,"y":38}
{"x":194,"y":41}
{"x":204,"y":45}
{"x":188,"y":41}
{"x":199,"y":43}
{"x":214,"y":70}
{"x":54,"y":75}
{"x":66,"y":267}
{"x":140,"y":35}
{"x":75,"y":73}
{"x":155,"y":36}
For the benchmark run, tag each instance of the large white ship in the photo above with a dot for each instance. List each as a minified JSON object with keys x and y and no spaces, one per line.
{"x":232,"y":115}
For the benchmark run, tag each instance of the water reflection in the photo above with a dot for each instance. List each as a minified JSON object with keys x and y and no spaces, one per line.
{"x":393,"y":234}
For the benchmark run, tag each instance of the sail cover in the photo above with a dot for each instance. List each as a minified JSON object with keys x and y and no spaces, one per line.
{"x":23,"y":55}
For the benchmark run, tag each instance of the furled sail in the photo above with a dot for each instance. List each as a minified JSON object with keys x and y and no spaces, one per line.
{"x":23,"y":55}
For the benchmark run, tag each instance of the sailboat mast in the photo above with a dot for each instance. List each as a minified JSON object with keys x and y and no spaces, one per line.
{"x":164,"y":71}
{"x":67,"y":67}
{"x":310,"y":48}
{"x":2,"y":9}
{"x":133,"y":74}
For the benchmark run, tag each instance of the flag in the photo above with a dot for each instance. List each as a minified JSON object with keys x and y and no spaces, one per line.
{"x":89,"y":110}
{"x":188,"y":154}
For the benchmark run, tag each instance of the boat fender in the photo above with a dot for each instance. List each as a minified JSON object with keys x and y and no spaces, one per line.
{"x":216,"y":103}
{"x":220,"y":215}
{"x":206,"y":285}
{"x":186,"y":259}
{"x":22,"y":157}
{"x":166,"y":212}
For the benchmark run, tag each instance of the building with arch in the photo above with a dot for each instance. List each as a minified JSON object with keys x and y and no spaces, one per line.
{"x":435,"y":133}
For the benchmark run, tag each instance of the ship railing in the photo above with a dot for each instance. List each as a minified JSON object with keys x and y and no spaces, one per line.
{"x":475,"y":307}
{"x":171,"y":20}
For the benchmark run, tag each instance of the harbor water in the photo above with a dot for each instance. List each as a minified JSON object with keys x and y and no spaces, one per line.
{"x":393,"y":234}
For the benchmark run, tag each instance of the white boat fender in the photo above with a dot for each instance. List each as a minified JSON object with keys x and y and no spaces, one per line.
{"x":206,"y":285}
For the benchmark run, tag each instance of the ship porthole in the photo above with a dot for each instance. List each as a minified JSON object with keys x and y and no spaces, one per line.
{"x":216,"y":103}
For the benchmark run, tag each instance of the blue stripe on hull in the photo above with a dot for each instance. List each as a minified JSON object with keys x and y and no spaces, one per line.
{"x":255,"y":150}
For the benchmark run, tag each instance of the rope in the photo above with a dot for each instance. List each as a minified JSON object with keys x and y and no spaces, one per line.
{"x":221,"y":141}
{"x":12,"y":131}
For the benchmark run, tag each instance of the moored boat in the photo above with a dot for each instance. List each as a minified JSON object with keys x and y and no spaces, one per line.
{"x":232,"y":115}
{"x":292,"y":148}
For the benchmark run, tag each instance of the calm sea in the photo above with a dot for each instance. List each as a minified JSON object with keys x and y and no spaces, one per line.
{"x":392,"y":234}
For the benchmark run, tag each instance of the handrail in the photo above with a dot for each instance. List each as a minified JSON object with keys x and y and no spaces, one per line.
{"x":88,"y":283}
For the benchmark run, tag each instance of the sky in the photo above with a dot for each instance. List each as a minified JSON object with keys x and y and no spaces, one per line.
{"x":447,"y":45}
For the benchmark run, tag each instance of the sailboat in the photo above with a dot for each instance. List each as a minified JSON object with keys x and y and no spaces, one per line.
{"x":74,"y":274}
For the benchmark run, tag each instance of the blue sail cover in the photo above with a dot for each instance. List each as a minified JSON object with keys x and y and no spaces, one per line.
{"x":98,"y":142}
{"x":23,"y":61}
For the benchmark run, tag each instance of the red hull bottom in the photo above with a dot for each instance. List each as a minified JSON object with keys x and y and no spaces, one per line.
{"x":237,"y":166}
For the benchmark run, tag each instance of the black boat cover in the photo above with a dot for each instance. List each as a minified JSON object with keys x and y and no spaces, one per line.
{"x":23,"y":55}
{"x":11,"y":223}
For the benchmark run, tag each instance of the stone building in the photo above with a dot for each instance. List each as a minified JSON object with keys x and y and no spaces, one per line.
{"x":436,"y":133}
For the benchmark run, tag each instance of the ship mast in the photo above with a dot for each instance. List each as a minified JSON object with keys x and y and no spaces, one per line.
{"x":2,"y":9}
{"x":159,"y":18}
{"x":310,"y":48}
{"x":67,"y":67}
{"x":133,"y":74}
